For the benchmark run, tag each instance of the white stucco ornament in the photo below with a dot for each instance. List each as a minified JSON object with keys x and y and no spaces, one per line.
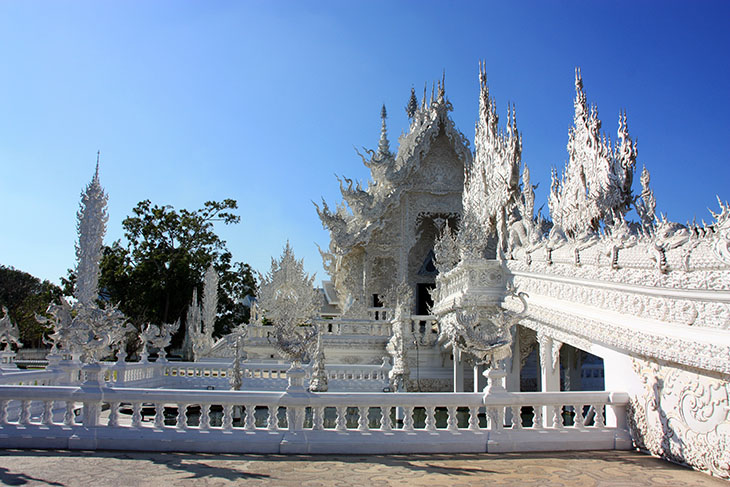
{"x":287,"y":299}
{"x":9,"y":333}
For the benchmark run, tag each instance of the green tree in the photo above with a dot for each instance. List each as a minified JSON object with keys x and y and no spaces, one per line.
{"x":165,"y":257}
{"x":25,"y":295}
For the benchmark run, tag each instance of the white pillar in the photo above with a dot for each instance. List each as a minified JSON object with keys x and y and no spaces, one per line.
{"x":458,"y":370}
{"x":513,"y":374}
{"x":549,"y":373}
{"x":549,"y":368}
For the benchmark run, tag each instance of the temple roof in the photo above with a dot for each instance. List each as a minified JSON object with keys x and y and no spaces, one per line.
{"x":362,"y":209}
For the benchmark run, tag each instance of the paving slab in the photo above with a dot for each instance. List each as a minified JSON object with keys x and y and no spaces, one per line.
{"x":110,"y":468}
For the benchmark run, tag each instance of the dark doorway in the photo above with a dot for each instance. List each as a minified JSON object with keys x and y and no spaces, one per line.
{"x":424,"y":301}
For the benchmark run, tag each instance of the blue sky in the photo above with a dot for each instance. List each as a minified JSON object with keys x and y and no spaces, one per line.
{"x":263,"y":102}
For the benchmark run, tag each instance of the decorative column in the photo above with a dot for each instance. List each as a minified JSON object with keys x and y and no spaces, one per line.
{"x":549,"y":371}
{"x":515,"y":369}
{"x":458,"y":370}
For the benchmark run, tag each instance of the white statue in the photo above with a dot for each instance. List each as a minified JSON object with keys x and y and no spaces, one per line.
{"x":401,"y":298}
{"x":9,"y":333}
{"x":318,"y":382}
{"x":157,"y":337}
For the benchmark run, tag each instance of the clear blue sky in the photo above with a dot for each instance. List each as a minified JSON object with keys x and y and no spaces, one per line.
{"x":263,"y":102}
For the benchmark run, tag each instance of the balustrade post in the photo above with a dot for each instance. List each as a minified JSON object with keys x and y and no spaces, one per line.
{"x":68,"y":415}
{"x":385,"y":423}
{"x":341,"y":422}
{"x":430,"y":418}
{"x":227,"y":417}
{"x":24,"y":412}
{"x":120,"y":368}
{"x":113,"y":414}
{"x":452,"y":422}
{"x":557,"y":416}
{"x":273,"y":420}
{"x":474,"y":418}
{"x":317,"y":417}
{"x":137,"y":414}
{"x":537,"y":417}
{"x":516,"y":417}
{"x":92,"y":387}
{"x":47,"y":416}
{"x":181,"y":422}
{"x":578,"y":420}
{"x":601,"y":419}
{"x":204,"y":417}
{"x":249,"y":421}
{"x":362,"y":418}
{"x":408,"y":418}
{"x":159,"y":415}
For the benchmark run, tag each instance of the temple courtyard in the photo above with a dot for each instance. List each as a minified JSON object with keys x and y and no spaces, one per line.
{"x":105,"y":468}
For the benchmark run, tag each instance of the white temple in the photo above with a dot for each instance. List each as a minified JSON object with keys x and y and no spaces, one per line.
{"x":577,"y":330}
{"x":649,"y":299}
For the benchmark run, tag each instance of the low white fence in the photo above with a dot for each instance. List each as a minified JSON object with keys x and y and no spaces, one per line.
{"x":103,"y":417}
{"x":257,"y":376}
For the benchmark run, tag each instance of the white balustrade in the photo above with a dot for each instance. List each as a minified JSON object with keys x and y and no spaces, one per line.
{"x":103,"y":417}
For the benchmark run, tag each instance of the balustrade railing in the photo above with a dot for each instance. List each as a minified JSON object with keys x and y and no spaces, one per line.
{"x":201,"y":375}
{"x":139,"y":419}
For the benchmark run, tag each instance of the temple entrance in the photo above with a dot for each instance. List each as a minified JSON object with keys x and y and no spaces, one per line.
{"x":424,"y":301}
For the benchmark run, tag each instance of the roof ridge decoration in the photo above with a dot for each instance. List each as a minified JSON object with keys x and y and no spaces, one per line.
{"x":595,"y":186}
{"x":353,"y":221}
{"x":492,"y":181}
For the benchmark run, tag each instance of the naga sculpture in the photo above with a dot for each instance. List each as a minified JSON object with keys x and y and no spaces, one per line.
{"x":485,"y":334}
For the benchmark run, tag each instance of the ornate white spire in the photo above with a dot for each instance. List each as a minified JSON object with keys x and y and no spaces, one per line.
{"x":383,"y":145}
{"x":491,"y":188}
{"x":287,"y":299}
{"x":596,"y":183}
{"x":91,"y":227}
{"x":210,"y":301}
{"x":412,"y":106}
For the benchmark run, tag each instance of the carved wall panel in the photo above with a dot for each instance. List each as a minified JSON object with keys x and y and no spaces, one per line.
{"x":682,"y":415}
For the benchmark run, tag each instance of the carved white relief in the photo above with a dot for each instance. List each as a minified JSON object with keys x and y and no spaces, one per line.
{"x":683,"y":416}
{"x":287,"y":299}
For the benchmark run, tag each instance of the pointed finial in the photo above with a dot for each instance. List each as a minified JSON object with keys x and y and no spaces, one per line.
{"x":442,"y":87}
{"x":383,"y":145}
{"x":412,"y":106}
{"x":96,"y":172}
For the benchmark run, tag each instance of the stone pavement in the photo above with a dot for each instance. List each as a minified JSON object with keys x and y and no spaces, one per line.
{"x":98,"y":469}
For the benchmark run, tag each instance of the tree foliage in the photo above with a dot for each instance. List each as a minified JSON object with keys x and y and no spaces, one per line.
{"x":166,"y":254}
{"x":25,"y":295}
